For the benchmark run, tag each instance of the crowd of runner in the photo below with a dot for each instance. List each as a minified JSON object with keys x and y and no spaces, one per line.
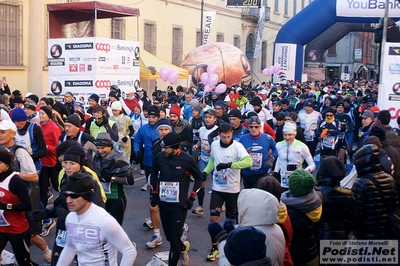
{"x":275,"y":155}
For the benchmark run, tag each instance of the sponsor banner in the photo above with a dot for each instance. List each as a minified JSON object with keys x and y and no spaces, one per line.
{"x":285,"y":55}
{"x":93,"y":56}
{"x":260,"y":29}
{"x":366,"y":8}
{"x":91,"y":84}
{"x":389,"y":90}
{"x":374,"y":252}
{"x":208,"y":21}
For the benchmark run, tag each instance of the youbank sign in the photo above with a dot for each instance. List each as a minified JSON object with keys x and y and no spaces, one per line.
{"x":366,"y":8}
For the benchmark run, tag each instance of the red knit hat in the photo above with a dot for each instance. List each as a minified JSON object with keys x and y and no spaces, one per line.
{"x":176,"y":110}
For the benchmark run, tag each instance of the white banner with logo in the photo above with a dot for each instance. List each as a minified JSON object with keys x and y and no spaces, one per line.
{"x":389,"y":89}
{"x":91,"y":65}
{"x":208,"y":21}
{"x":366,"y":8}
{"x":260,"y":29}
{"x":285,"y":55}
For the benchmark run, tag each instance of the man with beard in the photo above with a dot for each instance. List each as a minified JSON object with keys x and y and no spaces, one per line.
{"x":220,"y":109}
{"x":101,"y":124}
{"x":182,"y":128}
{"x":170,"y":175}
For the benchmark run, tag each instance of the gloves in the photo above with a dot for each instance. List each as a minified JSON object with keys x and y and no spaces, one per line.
{"x":105,"y":121}
{"x":39,"y":215}
{"x":270,"y":162}
{"x":204,"y":175}
{"x":222,"y":166}
{"x":155,"y":199}
{"x":105,"y":175}
{"x":324,"y":132}
{"x":217,"y":231}
{"x":189,"y":202}
{"x":229,"y":225}
{"x":124,"y":139}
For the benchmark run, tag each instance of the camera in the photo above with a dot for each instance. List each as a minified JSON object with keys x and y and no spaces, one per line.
{"x":291,"y":167}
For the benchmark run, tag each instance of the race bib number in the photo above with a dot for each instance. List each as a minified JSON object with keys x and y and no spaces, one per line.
{"x":221,"y":178}
{"x":257,"y":161}
{"x":61,"y":238}
{"x":329,"y":142}
{"x":309,"y":135}
{"x":3,"y":221}
{"x":169,"y":192}
{"x":106,"y":187}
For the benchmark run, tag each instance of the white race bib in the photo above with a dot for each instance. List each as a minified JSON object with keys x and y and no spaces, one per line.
{"x":169,"y":191}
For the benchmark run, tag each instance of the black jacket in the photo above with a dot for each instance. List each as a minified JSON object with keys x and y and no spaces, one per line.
{"x":371,"y":213}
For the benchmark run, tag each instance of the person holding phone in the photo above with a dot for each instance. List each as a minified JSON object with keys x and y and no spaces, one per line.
{"x":291,"y":155}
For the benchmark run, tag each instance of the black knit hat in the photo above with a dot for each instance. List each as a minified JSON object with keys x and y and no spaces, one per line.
{"x":74,"y":120}
{"x":5,"y":156}
{"x":171,"y":140}
{"x":235,"y":113}
{"x":48,"y":110}
{"x":75,"y":154}
{"x":94,"y":97}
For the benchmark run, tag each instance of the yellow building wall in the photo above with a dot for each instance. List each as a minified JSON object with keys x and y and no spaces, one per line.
{"x":166,"y":14}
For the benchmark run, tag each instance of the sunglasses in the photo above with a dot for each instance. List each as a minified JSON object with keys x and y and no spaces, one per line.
{"x":328,"y":115}
{"x":156,"y":102}
{"x":76,"y":195}
{"x":254,"y":126}
{"x":98,"y":119}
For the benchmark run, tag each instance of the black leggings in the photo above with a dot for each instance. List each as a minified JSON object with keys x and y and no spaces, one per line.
{"x":20,"y":246}
{"x":117,"y":207}
{"x":173,"y":218}
{"x":45,"y":174}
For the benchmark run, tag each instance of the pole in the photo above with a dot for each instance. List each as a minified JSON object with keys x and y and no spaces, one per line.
{"x":383,"y":43}
{"x":201,"y":22}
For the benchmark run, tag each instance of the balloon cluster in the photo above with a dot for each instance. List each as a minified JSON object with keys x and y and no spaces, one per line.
{"x":172,"y":75}
{"x":210,"y":79}
{"x":271,"y":70}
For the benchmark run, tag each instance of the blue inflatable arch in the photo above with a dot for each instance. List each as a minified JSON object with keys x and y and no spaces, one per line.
{"x":318,"y":17}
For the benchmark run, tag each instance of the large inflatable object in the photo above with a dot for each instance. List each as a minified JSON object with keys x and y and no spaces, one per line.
{"x":232,"y":64}
{"x":316,"y":18}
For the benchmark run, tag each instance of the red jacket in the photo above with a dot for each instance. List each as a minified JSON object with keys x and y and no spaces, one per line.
{"x":51,"y":133}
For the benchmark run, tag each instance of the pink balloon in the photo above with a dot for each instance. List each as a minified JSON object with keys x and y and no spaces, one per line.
{"x":221,"y":88}
{"x":271,"y":70}
{"x":213,"y":80}
{"x":211,"y":69}
{"x":173,"y":76}
{"x":265,"y":72}
{"x":204,"y":78}
{"x":164,"y":71}
{"x":277,"y":67}
{"x":207,"y":88}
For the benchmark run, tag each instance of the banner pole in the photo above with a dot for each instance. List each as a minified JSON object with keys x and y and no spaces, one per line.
{"x":383,"y":43}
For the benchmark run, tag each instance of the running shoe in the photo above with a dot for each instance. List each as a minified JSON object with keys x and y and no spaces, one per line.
{"x":47,"y":227}
{"x":154,"y":241}
{"x":142,"y":172}
{"x":184,"y":232}
{"x":198,"y":210}
{"x":213,"y":254}
{"x":148,"y":223}
{"x":185,"y":254}
{"x":49,"y":195}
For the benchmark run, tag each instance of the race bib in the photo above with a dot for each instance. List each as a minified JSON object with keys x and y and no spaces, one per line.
{"x":3,"y":221}
{"x":169,"y":192}
{"x":285,"y":178}
{"x":221,"y":178}
{"x":106,"y":187}
{"x":257,"y":161}
{"x":309,"y":135}
{"x":61,"y":238}
{"x":329,"y":142}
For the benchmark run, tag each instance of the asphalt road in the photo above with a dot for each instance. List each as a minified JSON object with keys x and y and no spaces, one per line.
{"x":137,"y":211}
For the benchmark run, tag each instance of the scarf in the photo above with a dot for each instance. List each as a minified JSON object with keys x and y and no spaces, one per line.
{"x":223,"y":145}
{"x":329,"y":120}
{"x":304,"y":204}
{"x":210,"y":127}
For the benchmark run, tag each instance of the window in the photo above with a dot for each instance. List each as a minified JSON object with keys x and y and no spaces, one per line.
{"x":332,"y":49}
{"x":276,"y":9}
{"x":302,"y":4}
{"x":286,"y":10}
{"x":236,"y":41}
{"x":294,"y":7}
{"x":118,"y":28}
{"x":177,"y":46}
{"x":198,"y":38}
{"x":264,"y":54}
{"x":150,"y":38}
{"x":10,"y":34}
{"x":220,"y":37}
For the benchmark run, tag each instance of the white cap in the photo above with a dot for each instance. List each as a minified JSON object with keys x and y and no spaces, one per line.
{"x":8,"y":125}
{"x":130,"y":90}
{"x":140,"y":89}
{"x":290,"y":127}
{"x":116,"y":106}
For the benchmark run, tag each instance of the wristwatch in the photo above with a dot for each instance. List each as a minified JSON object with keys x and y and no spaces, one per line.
{"x":113,"y":179}
{"x":9,"y":206}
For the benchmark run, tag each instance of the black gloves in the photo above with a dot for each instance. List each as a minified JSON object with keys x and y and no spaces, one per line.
{"x":270,"y":162}
{"x":189,"y":202}
{"x":155,"y":199}
{"x":222,"y":166}
{"x":204,"y":175}
{"x":124,"y":139}
{"x":39,"y":215}
{"x":105,"y":175}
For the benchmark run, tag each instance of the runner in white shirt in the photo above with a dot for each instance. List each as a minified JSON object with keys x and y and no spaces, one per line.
{"x":309,"y":120}
{"x":93,"y":234}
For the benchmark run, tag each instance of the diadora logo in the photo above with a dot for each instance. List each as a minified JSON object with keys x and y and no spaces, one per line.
{"x":102,"y":84}
{"x":79,"y":83}
{"x":103,"y":47}
{"x":76,"y":46}
{"x":394,"y":50}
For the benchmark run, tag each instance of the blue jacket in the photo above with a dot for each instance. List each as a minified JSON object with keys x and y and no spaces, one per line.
{"x":145,"y":137}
